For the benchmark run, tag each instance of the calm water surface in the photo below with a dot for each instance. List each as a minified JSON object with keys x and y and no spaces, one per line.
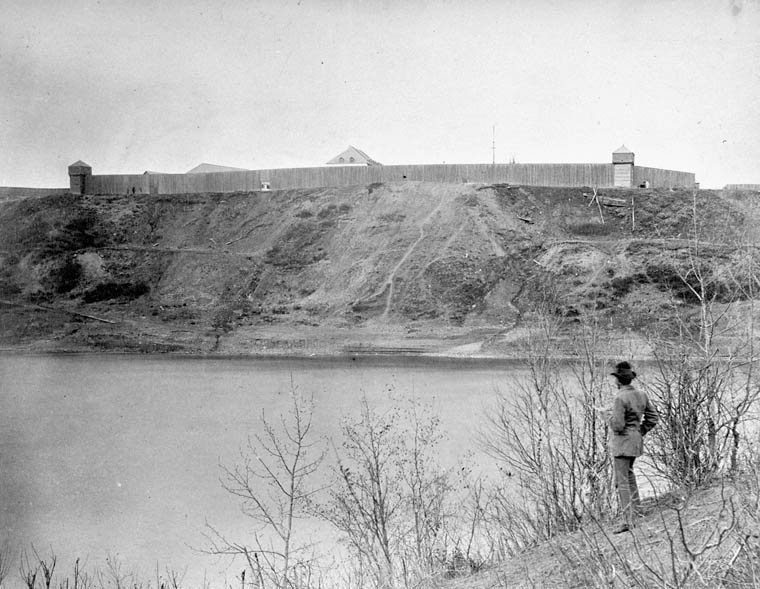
{"x":120,"y":455}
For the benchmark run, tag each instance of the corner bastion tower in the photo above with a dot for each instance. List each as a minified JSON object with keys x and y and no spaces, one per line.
{"x":79,"y":174}
{"x":622,"y":162}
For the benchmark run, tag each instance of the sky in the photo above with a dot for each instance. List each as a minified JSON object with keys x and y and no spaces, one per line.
{"x":135,"y":85}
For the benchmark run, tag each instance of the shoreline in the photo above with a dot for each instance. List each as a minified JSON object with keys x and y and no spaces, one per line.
{"x":482,"y":344}
{"x":379,"y":357}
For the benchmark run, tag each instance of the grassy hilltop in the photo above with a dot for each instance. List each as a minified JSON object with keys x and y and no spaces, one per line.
{"x":422,"y":267}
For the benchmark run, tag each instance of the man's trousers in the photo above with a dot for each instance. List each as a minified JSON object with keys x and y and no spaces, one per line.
{"x":628,"y":491}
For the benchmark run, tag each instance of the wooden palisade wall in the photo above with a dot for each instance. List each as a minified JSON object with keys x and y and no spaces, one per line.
{"x":600,"y":175}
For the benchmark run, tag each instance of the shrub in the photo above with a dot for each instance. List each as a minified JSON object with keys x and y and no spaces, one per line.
{"x":64,"y":275}
{"x":113,"y":290}
{"x":550,"y":439}
{"x":374,"y":186}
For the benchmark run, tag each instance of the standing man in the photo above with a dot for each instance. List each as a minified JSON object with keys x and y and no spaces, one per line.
{"x":631,"y":417}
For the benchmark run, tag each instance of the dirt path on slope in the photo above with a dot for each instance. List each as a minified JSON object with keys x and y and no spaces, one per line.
{"x":482,"y":225}
{"x":421,"y":226}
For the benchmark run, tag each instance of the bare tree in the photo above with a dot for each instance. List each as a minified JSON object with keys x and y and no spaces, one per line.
{"x":425,"y":483}
{"x":272,"y":482}
{"x":31,"y":569}
{"x":47,"y":568}
{"x":115,"y":575}
{"x":548,"y":433}
{"x":81,"y":579}
{"x":366,"y":499}
{"x":6,"y":556}
{"x":28,"y":570}
{"x":171,"y":579}
{"x":391,"y":499}
{"x":705,"y":385}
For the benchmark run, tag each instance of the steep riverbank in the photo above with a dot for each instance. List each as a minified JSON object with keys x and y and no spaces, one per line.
{"x":407,"y":268}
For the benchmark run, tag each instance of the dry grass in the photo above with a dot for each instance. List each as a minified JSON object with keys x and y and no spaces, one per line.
{"x":708,"y":539}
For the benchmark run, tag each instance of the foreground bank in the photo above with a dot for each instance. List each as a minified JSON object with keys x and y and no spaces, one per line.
{"x":124,"y":462}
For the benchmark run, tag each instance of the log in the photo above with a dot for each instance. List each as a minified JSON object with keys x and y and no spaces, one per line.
{"x":47,"y":308}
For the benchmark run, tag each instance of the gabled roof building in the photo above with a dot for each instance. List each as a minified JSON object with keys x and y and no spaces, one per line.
{"x":353,"y":157}
{"x":211,"y":168}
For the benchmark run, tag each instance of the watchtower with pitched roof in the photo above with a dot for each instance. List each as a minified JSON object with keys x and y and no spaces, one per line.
{"x":79,"y":174}
{"x":622,"y":161}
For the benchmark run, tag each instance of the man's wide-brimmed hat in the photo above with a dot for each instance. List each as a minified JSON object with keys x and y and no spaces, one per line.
{"x":624,"y":370}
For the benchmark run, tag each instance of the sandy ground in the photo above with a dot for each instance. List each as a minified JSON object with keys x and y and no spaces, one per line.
{"x":47,"y":329}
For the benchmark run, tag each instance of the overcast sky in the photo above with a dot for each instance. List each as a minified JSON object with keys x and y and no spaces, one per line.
{"x":135,"y":85}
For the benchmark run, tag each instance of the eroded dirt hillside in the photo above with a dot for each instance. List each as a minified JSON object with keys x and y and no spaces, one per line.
{"x":440,"y":268}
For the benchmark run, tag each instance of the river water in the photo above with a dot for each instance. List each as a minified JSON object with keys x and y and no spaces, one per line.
{"x":119,"y":456}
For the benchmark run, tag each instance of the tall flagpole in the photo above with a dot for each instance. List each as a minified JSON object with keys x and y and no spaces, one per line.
{"x":493,"y":146}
